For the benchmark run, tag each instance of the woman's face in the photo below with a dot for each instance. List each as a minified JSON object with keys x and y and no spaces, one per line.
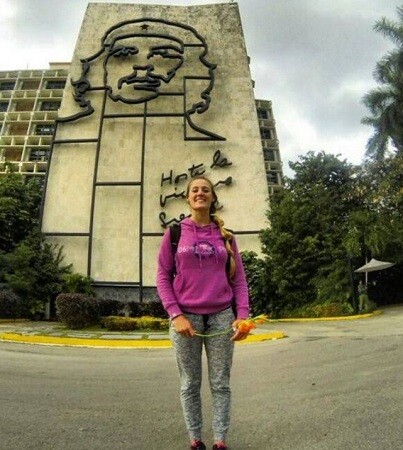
{"x":200,"y":195}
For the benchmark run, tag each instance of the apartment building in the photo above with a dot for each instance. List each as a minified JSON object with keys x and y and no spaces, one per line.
{"x":270,"y":146}
{"x":29,"y":102}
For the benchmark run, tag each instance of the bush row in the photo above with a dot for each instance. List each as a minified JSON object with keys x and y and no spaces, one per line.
{"x":11,"y":305}
{"x":327,"y":309}
{"x":79,"y":310}
{"x":117,"y":323}
{"x":154,"y":309}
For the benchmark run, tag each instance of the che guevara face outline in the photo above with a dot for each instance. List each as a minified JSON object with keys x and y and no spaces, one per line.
{"x":137,"y":65}
{"x":134,"y":91}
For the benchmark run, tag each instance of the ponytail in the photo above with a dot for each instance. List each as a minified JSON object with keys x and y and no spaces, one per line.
{"x":227,"y":236}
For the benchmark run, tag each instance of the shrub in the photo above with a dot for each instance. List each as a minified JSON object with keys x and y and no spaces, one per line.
{"x":315,"y":310}
{"x":77,"y":310}
{"x":115,"y":323}
{"x":152,"y":323}
{"x":76,"y":283}
{"x":134,"y":309}
{"x":109,"y":307}
{"x":154,"y":309}
{"x":10,"y":304}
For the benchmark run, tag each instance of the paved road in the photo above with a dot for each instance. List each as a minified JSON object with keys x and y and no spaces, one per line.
{"x":330,"y":385}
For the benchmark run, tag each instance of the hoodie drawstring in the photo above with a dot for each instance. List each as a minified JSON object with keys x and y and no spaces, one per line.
{"x":212,"y":240}
{"x":197,"y":244}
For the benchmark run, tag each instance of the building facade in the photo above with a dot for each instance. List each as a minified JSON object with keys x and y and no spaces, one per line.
{"x":29,"y":104}
{"x":270,"y":146}
{"x":155,"y":95}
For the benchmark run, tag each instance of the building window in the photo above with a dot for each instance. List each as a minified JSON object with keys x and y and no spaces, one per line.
{"x":44,"y":129}
{"x":272,"y":177}
{"x":266,"y":133}
{"x":55,"y":84}
{"x":7,"y":86}
{"x":262,"y":113}
{"x":39,"y":154}
{"x":30,"y":85}
{"x":18,"y":129}
{"x":3,"y":106}
{"x":268,"y":154}
{"x":50,"y":106}
{"x":24,"y":105}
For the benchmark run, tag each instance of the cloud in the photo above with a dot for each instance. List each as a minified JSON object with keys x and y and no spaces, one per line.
{"x":313,"y":59}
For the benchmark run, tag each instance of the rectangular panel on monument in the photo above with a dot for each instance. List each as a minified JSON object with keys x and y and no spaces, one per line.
{"x":120,"y":161}
{"x":160,"y":94}
{"x":151,"y":246}
{"x":68,"y":195}
{"x":115,"y":242}
{"x":76,"y":247}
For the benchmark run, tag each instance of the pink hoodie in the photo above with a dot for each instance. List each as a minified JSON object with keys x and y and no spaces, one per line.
{"x":201,"y":285}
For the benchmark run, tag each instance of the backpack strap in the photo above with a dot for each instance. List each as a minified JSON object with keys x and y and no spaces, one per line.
{"x":175,"y":234}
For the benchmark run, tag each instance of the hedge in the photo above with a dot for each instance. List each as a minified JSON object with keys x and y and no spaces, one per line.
{"x":10,"y":304}
{"x":77,"y":310}
{"x":117,"y":323}
{"x":154,"y":309}
{"x":109,"y":307}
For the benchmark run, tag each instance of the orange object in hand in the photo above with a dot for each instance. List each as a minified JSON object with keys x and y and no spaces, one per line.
{"x":245,"y":326}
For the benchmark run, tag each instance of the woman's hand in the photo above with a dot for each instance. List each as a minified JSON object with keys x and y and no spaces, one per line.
{"x":239,"y":335}
{"x":183,"y":326}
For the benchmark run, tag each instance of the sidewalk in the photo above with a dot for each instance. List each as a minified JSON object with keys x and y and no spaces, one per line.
{"x":54,"y":333}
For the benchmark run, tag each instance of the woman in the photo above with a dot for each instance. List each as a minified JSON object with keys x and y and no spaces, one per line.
{"x":209,"y":286}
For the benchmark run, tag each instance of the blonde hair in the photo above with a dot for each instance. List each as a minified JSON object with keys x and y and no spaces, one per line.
{"x":226,"y":235}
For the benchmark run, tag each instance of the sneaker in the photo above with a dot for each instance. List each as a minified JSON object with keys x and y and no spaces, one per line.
{"x":220,"y":447}
{"x":198,"y":445}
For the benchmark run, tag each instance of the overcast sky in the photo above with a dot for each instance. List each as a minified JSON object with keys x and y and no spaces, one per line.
{"x":313,"y":58}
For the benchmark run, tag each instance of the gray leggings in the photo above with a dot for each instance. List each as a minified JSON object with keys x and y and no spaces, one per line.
{"x":219,"y":351}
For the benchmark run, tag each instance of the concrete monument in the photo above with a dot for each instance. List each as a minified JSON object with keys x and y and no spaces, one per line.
{"x":157,"y":95}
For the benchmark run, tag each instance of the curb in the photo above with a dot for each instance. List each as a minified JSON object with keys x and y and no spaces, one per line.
{"x":14,"y":320}
{"x":115,"y":343}
{"x":328,"y":319}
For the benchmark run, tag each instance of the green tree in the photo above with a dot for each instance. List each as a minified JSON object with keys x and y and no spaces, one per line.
{"x":19,"y":209}
{"x":376,"y":225}
{"x":77,"y":283}
{"x":305,"y":241}
{"x":34,"y":270}
{"x":258,"y":274}
{"x":385,"y":103}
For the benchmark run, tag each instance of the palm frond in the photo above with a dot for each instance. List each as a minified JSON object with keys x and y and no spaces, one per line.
{"x":385,"y":103}
{"x":372,"y":121}
{"x":388,"y":69}
{"x":378,"y":99}
{"x":390,"y":29}
{"x":376,"y":146}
